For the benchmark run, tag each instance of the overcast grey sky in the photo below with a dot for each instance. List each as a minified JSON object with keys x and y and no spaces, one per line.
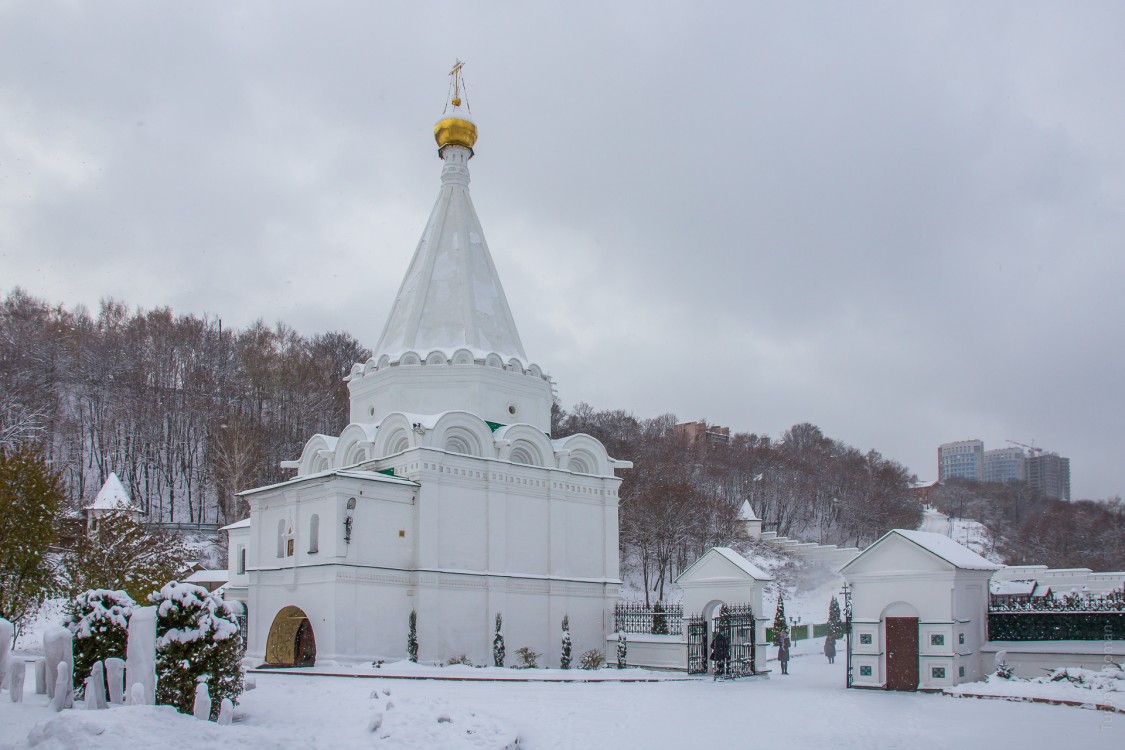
{"x":899,"y":221}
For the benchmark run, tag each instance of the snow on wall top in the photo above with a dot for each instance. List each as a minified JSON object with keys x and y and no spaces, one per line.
{"x":112,"y":496}
{"x":948,"y":550}
{"x":451,"y":297}
{"x":745,"y":565}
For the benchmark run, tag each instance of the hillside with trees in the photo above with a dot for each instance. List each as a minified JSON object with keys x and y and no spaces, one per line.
{"x":188,"y":412}
{"x":185,"y":411}
{"x":1030,"y":528}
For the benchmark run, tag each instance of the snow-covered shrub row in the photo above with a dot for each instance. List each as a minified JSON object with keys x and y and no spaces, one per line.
{"x":99,"y":620}
{"x":197,"y":640}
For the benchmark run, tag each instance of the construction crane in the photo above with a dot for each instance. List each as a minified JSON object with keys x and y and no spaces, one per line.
{"x":1030,"y":448}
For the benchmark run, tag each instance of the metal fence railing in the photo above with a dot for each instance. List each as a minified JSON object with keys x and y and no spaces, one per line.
{"x":1113,"y":602}
{"x":657,"y":619}
{"x":1056,"y":626}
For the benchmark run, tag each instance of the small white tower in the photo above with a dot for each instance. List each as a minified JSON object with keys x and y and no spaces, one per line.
{"x":111,"y":498}
{"x":751,"y":524}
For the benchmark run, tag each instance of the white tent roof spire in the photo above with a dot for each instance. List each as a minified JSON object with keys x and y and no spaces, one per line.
{"x":451,"y":297}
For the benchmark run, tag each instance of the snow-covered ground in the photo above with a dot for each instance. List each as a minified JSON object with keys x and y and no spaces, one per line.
{"x":809,"y":708}
{"x":964,"y":531}
{"x":1073,"y":685}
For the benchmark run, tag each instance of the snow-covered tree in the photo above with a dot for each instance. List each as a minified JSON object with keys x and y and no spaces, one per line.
{"x":498,"y":643}
{"x":31,"y":495}
{"x":122,"y":555}
{"x":197,"y":640}
{"x":622,"y":651}
{"x":835,"y":624}
{"x":412,"y":637}
{"x":659,"y":619}
{"x":564,"y":657}
{"x":99,"y":620}
{"x":780,"y":625}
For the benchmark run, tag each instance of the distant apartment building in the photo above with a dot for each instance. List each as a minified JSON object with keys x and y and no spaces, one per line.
{"x":696,"y":431}
{"x":964,"y":459}
{"x":967,"y":459}
{"x":1050,"y":474}
{"x":1003,"y":465}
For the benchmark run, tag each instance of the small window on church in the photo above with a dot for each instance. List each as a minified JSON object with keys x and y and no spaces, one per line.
{"x":241,"y":561}
{"x":289,"y":547}
{"x":865,"y":638}
{"x":865,"y":671}
{"x":314,"y":534}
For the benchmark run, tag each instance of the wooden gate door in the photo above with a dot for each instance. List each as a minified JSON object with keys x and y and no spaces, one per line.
{"x":902,"y":653}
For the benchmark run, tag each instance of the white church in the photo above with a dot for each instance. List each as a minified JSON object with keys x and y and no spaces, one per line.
{"x":446,"y":495}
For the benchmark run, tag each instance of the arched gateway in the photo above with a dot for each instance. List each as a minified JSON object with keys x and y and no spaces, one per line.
{"x":291,"y":642}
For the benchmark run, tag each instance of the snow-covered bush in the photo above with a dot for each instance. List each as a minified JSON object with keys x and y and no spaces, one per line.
{"x":659,"y":619}
{"x":498,"y":643}
{"x":592,"y":659}
{"x":462,"y":659}
{"x":1003,"y":670}
{"x":835,"y":624}
{"x":622,"y":651}
{"x":99,"y":620}
{"x":564,"y":657}
{"x":528,"y":659}
{"x":780,"y":624}
{"x":197,"y":639}
{"x":412,"y":637}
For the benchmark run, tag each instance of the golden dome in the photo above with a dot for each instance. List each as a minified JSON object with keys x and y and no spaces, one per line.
{"x":455,"y":131}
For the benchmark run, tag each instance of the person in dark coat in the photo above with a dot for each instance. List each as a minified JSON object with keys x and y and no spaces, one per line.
{"x":783,"y":652}
{"x":720,"y":652}
{"x":830,"y":649}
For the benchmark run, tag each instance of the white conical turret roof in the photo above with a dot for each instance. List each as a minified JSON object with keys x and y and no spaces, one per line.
{"x":112,"y":496}
{"x":451,"y":297}
{"x":746,"y":513}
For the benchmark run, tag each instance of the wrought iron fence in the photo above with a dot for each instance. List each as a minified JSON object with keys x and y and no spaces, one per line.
{"x":1073,"y":625}
{"x":658,"y":619}
{"x":1112,"y":602}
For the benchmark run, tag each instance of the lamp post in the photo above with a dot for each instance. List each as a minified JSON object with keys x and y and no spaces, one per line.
{"x":847,"y":592}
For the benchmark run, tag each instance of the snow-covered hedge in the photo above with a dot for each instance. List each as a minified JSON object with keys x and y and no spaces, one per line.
{"x":99,"y":620}
{"x":197,"y":640}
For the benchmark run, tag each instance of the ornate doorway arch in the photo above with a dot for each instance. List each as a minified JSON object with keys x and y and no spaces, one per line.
{"x":291,"y":642}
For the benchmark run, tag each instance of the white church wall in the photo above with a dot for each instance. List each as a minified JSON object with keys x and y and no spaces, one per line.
{"x":494,"y":394}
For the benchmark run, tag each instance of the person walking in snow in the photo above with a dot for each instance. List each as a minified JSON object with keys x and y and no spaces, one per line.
{"x":830,"y":649}
{"x":783,"y":652}
{"x":720,"y":652}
